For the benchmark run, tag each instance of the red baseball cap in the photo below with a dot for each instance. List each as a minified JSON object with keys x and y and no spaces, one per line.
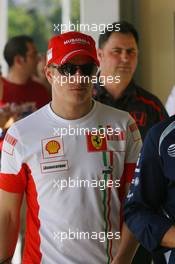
{"x":63,"y":47}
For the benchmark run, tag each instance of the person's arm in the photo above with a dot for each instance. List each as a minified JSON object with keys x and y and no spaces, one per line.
{"x":13,"y":180}
{"x":128,"y":243}
{"x":127,"y":248}
{"x":9,"y":223}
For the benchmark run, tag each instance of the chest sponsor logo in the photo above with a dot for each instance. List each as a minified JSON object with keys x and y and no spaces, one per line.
{"x":54,"y":166}
{"x":52,"y":147}
{"x":171,"y":150}
{"x":96,"y":143}
{"x":9,"y":144}
{"x":116,"y":139}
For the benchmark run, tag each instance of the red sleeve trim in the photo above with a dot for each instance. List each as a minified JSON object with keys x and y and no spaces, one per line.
{"x":129,"y":171}
{"x":127,"y":176}
{"x":14,"y":183}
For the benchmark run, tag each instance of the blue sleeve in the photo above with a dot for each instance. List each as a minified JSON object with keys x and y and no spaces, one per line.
{"x":143,"y":212}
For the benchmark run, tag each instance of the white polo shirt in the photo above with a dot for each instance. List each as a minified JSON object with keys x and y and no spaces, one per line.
{"x":70,"y":172}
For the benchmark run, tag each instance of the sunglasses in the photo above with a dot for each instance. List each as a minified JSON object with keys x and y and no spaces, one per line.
{"x":70,"y":69}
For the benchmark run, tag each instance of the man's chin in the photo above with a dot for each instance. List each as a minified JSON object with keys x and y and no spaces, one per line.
{"x":125,"y":70}
{"x":125,"y":74}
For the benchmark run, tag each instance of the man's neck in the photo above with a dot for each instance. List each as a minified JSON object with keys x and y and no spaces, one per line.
{"x":70,"y":111}
{"x":17,"y":77}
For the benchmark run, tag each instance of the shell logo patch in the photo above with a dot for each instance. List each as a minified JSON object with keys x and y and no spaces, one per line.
{"x":96,"y":143}
{"x":52,"y":147}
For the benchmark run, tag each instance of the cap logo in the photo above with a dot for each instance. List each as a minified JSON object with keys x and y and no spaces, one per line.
{"x":68,"y":55}
{"x":76,"y":40}
{"x":49,"y":54}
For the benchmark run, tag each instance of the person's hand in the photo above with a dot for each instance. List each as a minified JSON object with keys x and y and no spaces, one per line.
{"x":9,"y":113}
{"x":26,"y":109}
{"x":127,"y":247}
{"x":6,"y":116}
{"x":22,"y":110}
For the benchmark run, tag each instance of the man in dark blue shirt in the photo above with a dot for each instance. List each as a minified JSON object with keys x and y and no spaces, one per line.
{"x":150,"y":205}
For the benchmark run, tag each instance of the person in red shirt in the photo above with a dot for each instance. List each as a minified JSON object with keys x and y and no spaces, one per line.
{"x":18,"y":87}
{"x":22,"y":94}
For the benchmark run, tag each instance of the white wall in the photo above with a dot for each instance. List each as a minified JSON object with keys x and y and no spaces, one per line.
{"x":154,"y":20}
{"x":98,"y":12}
{"x":157,"y":26}
{"x":66,"y":5}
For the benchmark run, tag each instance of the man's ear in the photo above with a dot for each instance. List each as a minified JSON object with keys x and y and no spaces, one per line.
{"x":48,"y":73}
{"x":99,"y":54}
{"x":19,"y":60}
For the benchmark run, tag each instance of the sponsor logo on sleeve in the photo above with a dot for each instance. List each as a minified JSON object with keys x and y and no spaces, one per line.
{"x":9,"y":144}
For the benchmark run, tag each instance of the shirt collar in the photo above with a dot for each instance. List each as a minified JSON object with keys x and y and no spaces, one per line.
{"x":102,"y":91}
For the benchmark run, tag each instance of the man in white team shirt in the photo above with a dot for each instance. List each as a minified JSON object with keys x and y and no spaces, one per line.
{"x":69,"y":158}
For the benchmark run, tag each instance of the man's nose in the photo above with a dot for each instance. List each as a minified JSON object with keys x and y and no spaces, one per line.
{"x":124,"y":56}
{"x":78,"y":71}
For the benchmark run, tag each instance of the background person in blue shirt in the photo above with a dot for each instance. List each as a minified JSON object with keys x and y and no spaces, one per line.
{"x":150,"y":204}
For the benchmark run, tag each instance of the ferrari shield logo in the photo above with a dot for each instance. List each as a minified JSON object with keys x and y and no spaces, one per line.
{"x":96,"y":143}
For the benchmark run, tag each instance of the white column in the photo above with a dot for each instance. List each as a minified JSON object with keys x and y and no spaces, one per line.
{"x":99,"y":12}
{"x":3,"y":31}
{"x":66,"y":11}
